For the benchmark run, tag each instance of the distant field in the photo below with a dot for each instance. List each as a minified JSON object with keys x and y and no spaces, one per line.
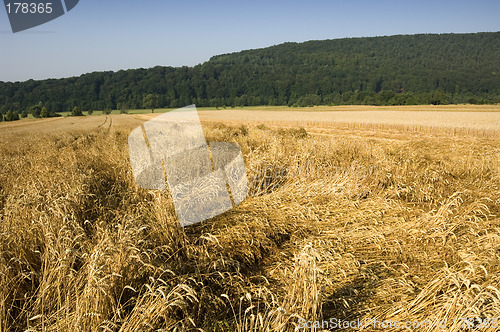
{"x":438,"y":117}
{"x":483,"y":119}
{"x":450,"y":108}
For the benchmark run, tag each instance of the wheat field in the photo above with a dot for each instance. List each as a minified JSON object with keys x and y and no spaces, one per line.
{"x":344,"y":221}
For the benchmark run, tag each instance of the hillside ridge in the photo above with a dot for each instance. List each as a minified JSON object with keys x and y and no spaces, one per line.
{"x":386,"y":70}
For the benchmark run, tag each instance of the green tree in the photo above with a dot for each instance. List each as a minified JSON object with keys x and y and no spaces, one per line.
{"x":24,"y":114}
{"x":11,"y":116}
{"x":35,"y":110}
{"x":438,"y":97}
{"x":76,"y":112}
{"x":90,"y":112}
{"x":150,"y":101}
{"x":44,"y":113}
{"x":123,"y":107}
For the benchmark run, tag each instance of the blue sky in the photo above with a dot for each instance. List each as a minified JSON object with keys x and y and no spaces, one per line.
{"x":112,"y":35}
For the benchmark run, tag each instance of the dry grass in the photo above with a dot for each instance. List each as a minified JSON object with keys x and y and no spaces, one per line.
{"x":452,"y":120}
{"x":343,"y":221}
{"x":444,"y":108}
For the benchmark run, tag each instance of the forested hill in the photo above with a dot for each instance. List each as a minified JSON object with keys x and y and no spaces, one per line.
{"x":395,"y":70}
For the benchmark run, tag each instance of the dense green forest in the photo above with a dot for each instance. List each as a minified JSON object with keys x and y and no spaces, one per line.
{"x":394,"y":70}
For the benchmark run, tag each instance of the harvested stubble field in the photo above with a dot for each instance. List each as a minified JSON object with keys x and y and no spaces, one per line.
{"x":350,"y":221}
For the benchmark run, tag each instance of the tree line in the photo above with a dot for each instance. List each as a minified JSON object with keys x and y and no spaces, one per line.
{"x":393,"y":70}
